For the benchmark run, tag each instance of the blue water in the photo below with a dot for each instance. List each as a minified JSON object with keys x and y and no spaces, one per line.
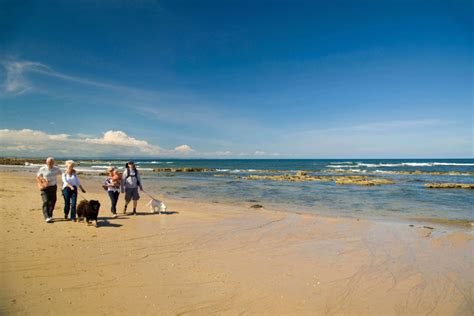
{"x":406,"y":199}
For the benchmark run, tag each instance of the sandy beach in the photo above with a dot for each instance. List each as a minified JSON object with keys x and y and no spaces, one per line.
{"x":215,"y":258}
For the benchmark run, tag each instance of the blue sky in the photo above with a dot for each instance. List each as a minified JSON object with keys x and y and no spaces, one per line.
{"x":237,"y":79}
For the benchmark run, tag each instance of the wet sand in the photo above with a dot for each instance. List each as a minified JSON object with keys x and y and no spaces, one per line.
{"x":213,"y":258}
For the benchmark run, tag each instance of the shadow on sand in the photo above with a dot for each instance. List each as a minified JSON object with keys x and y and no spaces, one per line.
{"x":104,"y":222}
{"x":148,"y":213}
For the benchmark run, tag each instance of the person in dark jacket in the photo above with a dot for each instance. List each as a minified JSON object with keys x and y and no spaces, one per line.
{"x":131,"y":181}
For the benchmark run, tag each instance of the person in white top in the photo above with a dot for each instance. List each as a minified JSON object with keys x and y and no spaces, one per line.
{"x":70,"y":185}
{"x":46,"y":180}
{"x":112,"y":186}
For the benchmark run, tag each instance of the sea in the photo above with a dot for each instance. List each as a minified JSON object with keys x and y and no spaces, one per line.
{"x":407,"y":199}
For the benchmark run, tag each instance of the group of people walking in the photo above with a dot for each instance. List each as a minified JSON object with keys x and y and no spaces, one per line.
{"x":115,"y":183}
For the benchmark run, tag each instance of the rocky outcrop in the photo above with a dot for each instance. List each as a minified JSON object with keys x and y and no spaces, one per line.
{"x":416,"y":172}
{"x":303,"y":177}
{"x":449,"y":185}
{"x":360,"y":180}
{"x":291,"y":178}
{"x":25,"y":161}
{"x":184,"y":170}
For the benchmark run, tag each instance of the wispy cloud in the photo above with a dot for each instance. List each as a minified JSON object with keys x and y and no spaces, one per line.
{"x":180,"y":108}
{"x":370,"y":127}
{"x":398,"y":124}
{"x":15,"y":81}
{"x":390,"y":139}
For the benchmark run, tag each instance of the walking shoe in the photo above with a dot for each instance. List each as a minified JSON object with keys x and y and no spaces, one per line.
{"x":49,"y":220}
{"x":114,"y":215}
{"x":134,"y":213}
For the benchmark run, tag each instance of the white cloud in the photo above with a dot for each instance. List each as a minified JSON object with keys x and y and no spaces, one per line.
{"x":59,"y":137}
{"x":121,"y":139}
{"x":184,"y":149}
{"x":117,"y":138}
{"x":27,"y":135}
{"x":83,"y":135}
{"x":27,"y":142}
{"x":112,"y":143}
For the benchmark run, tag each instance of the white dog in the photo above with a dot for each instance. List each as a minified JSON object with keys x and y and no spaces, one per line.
{"x":156,"y":206}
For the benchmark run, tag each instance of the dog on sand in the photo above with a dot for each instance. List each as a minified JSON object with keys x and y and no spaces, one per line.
{"x":156,"y":206}
{"x":88,"y":210}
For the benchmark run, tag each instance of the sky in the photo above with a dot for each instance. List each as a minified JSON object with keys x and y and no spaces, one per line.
{"x":236,"y":79}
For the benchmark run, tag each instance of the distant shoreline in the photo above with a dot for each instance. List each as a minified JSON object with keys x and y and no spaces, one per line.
{"x":61,"y":158}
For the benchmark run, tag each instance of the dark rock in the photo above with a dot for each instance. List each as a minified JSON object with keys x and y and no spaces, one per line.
{"x":449,"y":185}
{"x":25,"y":161}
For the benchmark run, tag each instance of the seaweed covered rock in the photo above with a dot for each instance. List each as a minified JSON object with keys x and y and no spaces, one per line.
{"x":449,"y":185}
{"x":290,"y":178}
{"x":303,"y":177}
{"x":361,"y":180}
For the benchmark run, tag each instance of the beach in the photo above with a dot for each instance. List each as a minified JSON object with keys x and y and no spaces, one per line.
{"x":222,"y":258}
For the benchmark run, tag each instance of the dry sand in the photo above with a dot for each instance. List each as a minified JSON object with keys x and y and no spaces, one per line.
{"x":224,"y":259}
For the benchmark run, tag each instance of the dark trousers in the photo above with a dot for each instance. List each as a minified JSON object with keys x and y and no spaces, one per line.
{"x":49,"y":200}
{"x":114,"y":195}
{"x":70,"y":200}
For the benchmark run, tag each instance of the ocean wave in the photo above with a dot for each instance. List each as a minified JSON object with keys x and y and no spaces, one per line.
{"x":339,"y":166}
{"x":342,"y":163}
{"x":86,"y":169}
{"x":452,"y":164}
{"x":27,"y":164}
{"x":153,"y":162}
{"x":384,"y":171}
{"x":412,"y":164}
{"x":347,"y":170}
{"x":376,"y":165}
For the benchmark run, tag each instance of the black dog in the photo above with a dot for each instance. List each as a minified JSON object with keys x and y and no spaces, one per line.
{"x":89,"y":210}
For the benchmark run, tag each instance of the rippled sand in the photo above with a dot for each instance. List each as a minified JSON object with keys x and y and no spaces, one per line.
{"x":225,"y":259}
